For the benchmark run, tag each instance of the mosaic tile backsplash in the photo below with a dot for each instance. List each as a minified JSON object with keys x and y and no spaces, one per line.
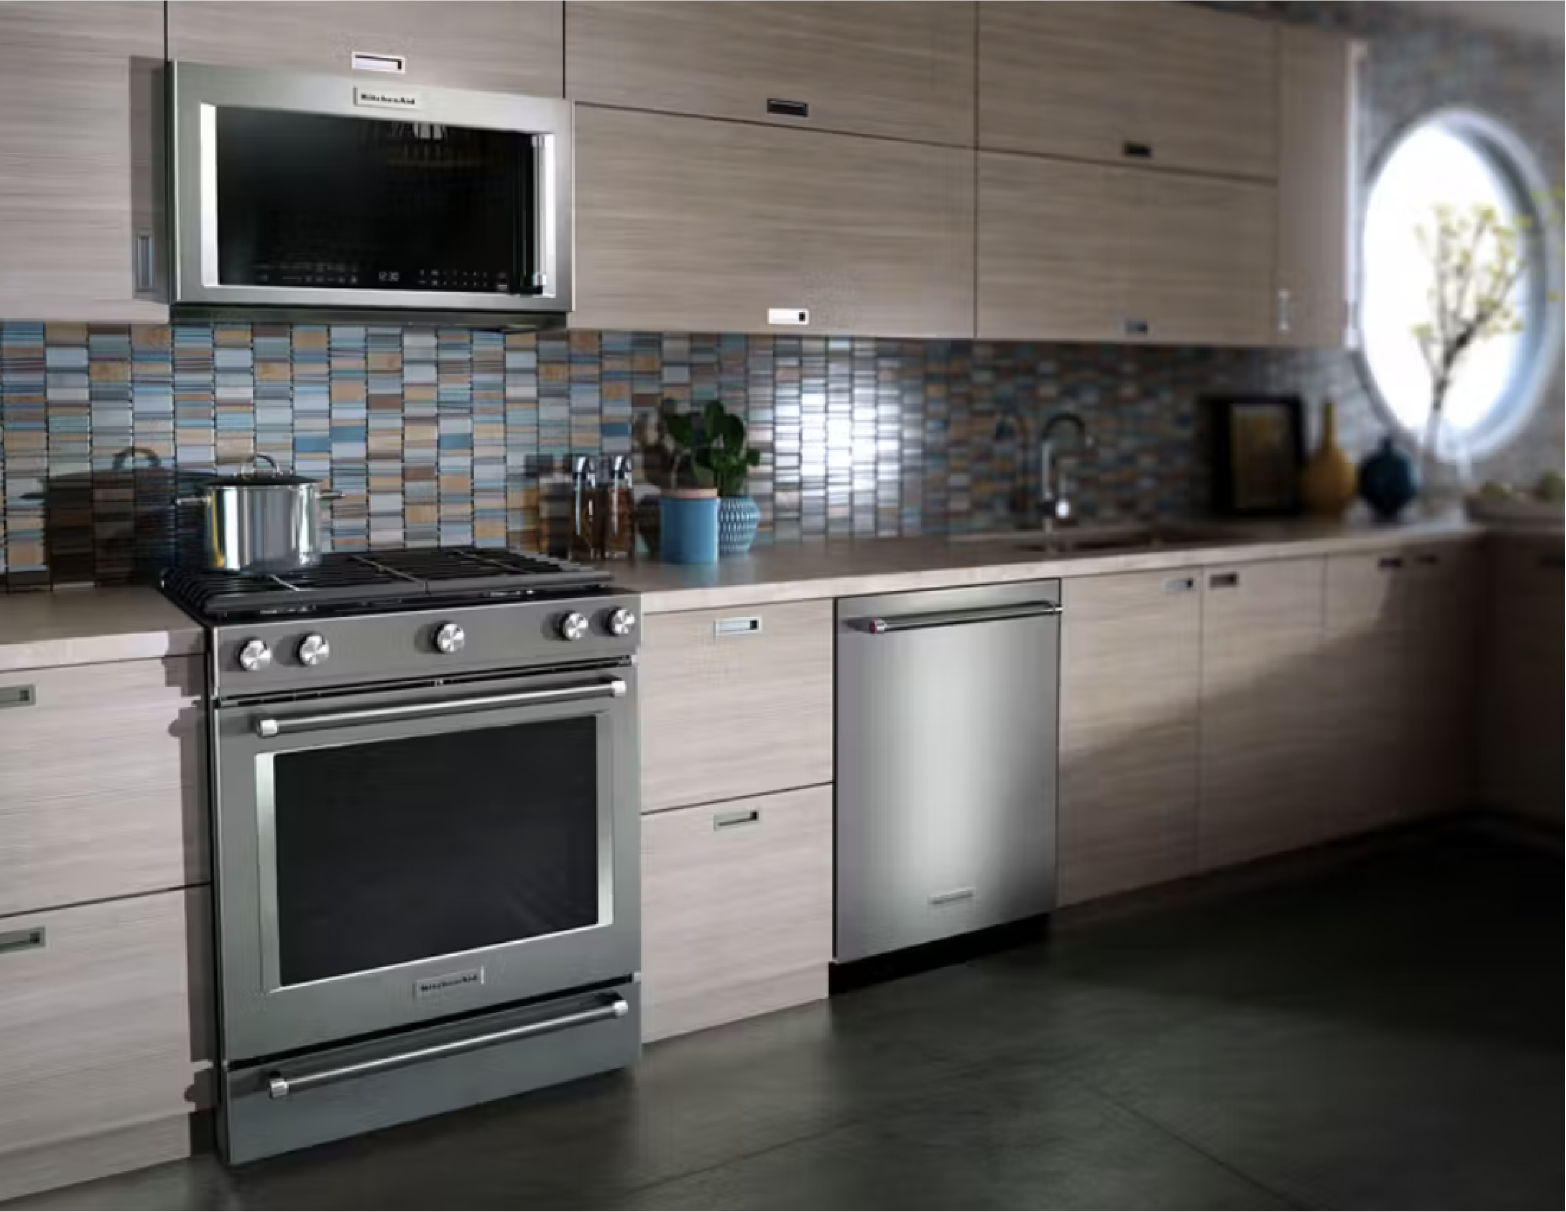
{"x":456,"y":436}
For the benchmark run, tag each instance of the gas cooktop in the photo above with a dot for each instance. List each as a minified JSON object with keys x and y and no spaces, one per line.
{"x":365,"y":582}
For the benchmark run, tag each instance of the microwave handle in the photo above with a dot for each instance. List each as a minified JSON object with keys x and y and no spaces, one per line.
{"x":543,"y":200}
{"x":268,"y":726}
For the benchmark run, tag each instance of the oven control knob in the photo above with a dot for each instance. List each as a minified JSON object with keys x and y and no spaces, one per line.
{"x":621,"y":622}
{"x":573,"y":626}
{"x":450,"y":638}
{"x":254,"y":655}
{"x":313,"y":650}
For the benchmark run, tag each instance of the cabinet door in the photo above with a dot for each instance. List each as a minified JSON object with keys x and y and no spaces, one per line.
{"x":1052,"y":77}
{"x":1129,"y":692}
{"x":1315,"y":187}
{"x":688,"y":224}
{"x":736,"y":909}
{"x":1364,"y":698}
{"x":104,"y":1022}
{"x":1051,"y":258}
{"x":1198,"y":259}
{"x":1440,"y":620}
{"x":1523,"y":657}
{"x":506,"y":47}
{"x":78,"y":91}
{"x":735,"y":702}
{"x":899,"y":70}
{"x":1261,"y":646}
{"x":1203,"y":90}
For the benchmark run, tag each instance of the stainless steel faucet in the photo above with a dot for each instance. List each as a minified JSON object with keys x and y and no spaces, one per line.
{"x":1054,"y":504}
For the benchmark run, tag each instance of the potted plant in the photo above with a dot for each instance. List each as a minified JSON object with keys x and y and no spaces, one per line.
{"x":722,"y":457}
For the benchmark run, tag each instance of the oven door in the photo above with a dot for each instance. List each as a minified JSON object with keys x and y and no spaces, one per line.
{"x":388,"y":858}
{"x":294,"y":191}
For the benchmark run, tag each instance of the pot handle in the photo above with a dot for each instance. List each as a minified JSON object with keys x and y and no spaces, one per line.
{"x":188,"y":501}
{"x":330,"y":494}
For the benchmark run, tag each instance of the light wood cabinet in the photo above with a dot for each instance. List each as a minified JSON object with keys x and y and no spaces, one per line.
{"x":736,"y":909}
{"x":78,"y":88}
{"x":103,"y":1029}
{"x":897,"y":70}
{"x":1159,"y":85}
{"x":510,"y":47}
{"x":1523,"y":657}
{"x":1261,"y":643}
{"x":1129,"y":701}
{"x":1073,"y":251}
{"x":1050,"y":252}
{"x":689,"y":224}
{"x":1316,"y":175}
{"x":735,"y":703}
{"x":102,"y":784}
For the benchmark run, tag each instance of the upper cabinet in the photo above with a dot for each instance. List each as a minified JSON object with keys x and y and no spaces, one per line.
{"x":78,"y":222}
{"x":1316,"y":175}
{"x":512,"y":47}
{"x":897,"y":70}
{"x":1160,"y":85}
{"x":686,"y":224}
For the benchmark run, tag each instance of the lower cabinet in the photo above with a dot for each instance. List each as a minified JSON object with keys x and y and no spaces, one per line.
{"x":1261,"y":640}
{"x":104,"y":1044}
{"x":1130,"y":683}
{"x":736,"y":909}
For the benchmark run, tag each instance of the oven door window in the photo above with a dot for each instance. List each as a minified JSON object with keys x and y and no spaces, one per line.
{"x":315,"y":200}
{"x":395,"y":851}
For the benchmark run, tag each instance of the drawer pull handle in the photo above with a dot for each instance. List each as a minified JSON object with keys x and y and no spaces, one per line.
{"x":1390,"y":563}
{"x":733,"y":820}
{"x":1427,"y":560}
{"x":784,"y":108}
{"x":1179,"y":584}
{"x":1133,"y":327}
{"x":370,"y":61}
{"x":18,"y":696}
{"x":1224,"y":580}
{"x":955,"y":896}
{"x":23,"y":940}
{"x":1137,"y":151}
{"x":732,"y":628}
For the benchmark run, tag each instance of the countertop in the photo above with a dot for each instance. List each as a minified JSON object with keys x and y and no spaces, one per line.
{"x":86,"y":626}
{"x":801,"y":571}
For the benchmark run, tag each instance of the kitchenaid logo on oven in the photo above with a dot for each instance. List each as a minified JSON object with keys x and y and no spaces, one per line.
{"x":447,"y":982}
{"x":387,"y":98}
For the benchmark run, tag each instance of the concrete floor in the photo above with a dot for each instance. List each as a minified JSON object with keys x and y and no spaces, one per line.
{"x":1384,"y":1033}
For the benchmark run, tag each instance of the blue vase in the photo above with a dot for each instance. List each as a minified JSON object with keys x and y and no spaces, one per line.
{"x":1388,"y":481}
{"x":738,"y":518}
{"x":688,"y":526}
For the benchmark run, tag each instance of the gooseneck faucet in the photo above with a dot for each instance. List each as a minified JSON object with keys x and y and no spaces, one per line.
{"x":1054,"y":504}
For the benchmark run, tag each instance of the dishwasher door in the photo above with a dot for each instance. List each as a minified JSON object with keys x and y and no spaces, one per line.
{"x":947,"y":745}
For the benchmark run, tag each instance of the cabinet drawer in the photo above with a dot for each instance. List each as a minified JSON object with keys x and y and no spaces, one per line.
{"x":735,"y":702}
{"x":103,"y":1019}
{"x":897,"y":70}
{"x":101,"y":782}
{"x":736,"y":909}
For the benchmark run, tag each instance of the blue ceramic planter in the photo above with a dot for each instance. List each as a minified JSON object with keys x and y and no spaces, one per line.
{"x":738,"y":518}
{"x":688,"y":526}
{"x":1388,"y":481}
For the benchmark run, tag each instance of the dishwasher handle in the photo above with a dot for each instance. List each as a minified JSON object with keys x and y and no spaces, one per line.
{"x":884,"y":625}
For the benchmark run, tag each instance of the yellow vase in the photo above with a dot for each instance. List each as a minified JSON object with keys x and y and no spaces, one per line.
{"x":1328,"y":480}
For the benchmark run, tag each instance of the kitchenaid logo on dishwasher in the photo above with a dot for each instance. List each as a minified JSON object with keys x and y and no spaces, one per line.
{"x":386,"y":98}
{"x":447,"y":982}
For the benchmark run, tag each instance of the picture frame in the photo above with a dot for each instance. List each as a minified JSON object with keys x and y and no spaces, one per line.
{"x":1258,"y":452}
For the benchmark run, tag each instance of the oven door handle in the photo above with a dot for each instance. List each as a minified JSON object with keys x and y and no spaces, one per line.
{"x":269,"y":726}
{"x":280,"y":1085}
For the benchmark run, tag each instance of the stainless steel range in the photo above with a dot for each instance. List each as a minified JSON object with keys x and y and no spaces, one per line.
{"x":425,"y":812}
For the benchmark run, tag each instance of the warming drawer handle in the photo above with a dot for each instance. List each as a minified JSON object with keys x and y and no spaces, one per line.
{"x":952,"y":618}
{"x":281,"y":1086}
{"x":267,"y":726}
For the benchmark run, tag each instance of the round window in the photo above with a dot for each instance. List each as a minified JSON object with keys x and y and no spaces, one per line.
{"x":1450,"y":190}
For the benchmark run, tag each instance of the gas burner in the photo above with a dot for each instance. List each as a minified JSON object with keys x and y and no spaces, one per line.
{"x":402,"y":579}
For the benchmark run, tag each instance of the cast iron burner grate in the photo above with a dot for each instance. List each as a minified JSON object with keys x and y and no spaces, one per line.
{"x":379,"y":578}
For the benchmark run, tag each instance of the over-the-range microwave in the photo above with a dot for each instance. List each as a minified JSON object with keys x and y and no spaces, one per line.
{"x":294,"y":196}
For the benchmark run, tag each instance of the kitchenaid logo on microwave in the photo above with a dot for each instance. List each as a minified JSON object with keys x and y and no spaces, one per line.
{"x":447,"y":982}
{"x":387,"y":98}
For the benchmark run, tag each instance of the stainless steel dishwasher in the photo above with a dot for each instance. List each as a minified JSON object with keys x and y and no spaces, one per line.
{"x":947,"y":739}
